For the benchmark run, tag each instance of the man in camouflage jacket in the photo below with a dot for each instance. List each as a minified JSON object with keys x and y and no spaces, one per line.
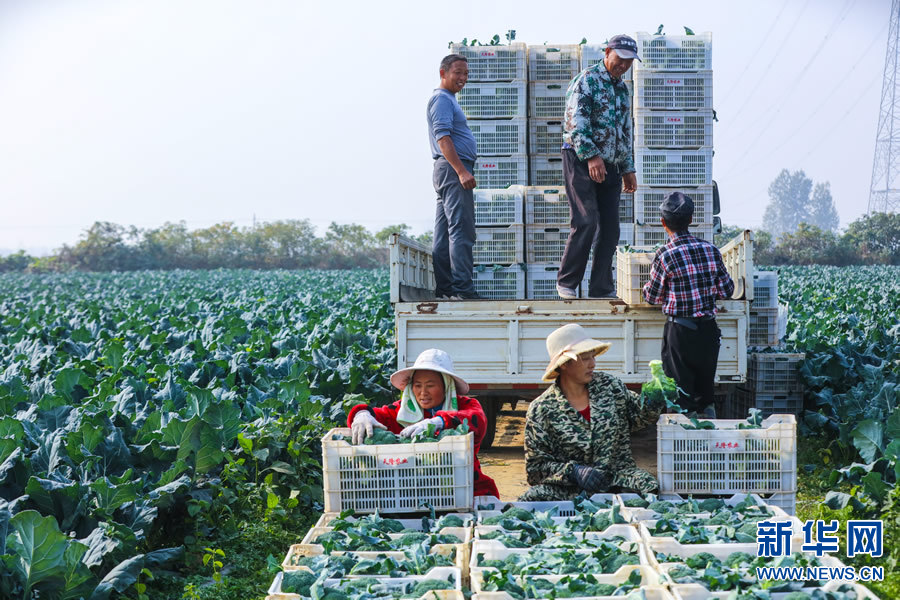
{"x":569,"y":452}
{"x":598,"y":158}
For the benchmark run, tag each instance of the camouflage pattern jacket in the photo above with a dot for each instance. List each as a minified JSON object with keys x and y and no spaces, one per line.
{"x":598,"y":118}
{"x":557,"y":438}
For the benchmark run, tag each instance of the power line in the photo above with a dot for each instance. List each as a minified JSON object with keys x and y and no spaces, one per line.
{"x":812,"y":59}
{"x":756,"y":50}
{"x":826,"y":98}
{"x":771,"y":62}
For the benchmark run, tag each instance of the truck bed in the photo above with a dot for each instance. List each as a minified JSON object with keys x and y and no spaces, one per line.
{"x":502,"y":343}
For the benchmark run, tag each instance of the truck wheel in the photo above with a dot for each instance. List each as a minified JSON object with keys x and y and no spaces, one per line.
{"x":491,"y":408}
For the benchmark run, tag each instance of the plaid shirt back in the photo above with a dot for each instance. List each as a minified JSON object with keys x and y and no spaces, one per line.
{"x":687,"y":277}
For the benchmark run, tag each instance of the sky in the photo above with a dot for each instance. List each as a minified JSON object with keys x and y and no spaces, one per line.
{"x":205,"y":111}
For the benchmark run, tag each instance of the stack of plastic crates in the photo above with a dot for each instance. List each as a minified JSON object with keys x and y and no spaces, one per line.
{"x":550,"y":69}
{"x":498,"y":272}
{"x":673,"y":121}
{"x":494,"y":101}
{"x":763,"y":330}
{"x":773,"y":384}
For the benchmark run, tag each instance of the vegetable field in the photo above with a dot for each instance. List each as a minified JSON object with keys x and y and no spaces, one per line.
{"x":142,"y":415}
{"x":159,"y":431}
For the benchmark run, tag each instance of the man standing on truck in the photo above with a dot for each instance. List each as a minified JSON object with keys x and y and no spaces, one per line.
{"x":687,"y":277}
{"x":454,"y":152}
{"x":598,"y":157}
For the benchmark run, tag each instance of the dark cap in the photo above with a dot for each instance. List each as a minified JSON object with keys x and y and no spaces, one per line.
{"x":676,"y":205}
{"x":624,"y":46}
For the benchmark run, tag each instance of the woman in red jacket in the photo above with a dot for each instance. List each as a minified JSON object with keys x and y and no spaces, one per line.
{"x":429,"y":397}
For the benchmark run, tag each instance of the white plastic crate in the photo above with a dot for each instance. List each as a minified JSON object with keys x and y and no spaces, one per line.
{"x":673,"y":129}
{"x":554,"y":63}
{"x":504,"y":283}
{"x":494,"y":63}
{"x":763,"y":327}
{"x":546,"y":205}
{"x":696,"y":591}
{"x":499,"y":207}
{"x":626,"y":207}
{"x":650,"y":580}
{"x":564,"y":508}
{"x":765,"y":289}
{"x":787,"y":501}
{"x":546,"y":170}
{"x":632,"y":272}
{"x":547,"y":99}
{"x":645,"y":235}
{"x":499,"y":137}
{"x":456,"y":552}
{"x":493,"y":100}
{"x":674,"y":52}
{"x":541,"y":283}
{"x":634,"y":514}
{"x":499,"y":245}
{"x":327,"y":519}
{"x":647,"y":201}
{"x":673,"y":91}
{"x":545,"y":244}
{"x":397,"y":478}
{"x":501,"y":171}
{"x":673,"y":168}
{"x":495,"y":550}
{"x":545,"y":136}
{"x":727,"y":460}
{"x":774,"y":373}
{"x":391,"y":585}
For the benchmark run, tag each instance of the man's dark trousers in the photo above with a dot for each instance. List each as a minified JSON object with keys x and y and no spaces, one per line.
{"x":690,"y":356}
{"x":454,"y":231}
{"x":594,"y":209}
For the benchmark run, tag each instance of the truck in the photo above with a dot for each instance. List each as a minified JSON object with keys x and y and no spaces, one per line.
{"x":498,"y":346}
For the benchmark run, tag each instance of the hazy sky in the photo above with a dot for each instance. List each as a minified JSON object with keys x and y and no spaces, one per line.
{"x":141,"y":112}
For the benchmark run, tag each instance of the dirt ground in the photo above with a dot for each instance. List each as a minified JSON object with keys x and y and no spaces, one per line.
{"x":505,"y":461}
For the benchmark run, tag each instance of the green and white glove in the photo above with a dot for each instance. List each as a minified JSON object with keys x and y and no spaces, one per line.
{"x":364,"y":424}
{"x":420,"y":427}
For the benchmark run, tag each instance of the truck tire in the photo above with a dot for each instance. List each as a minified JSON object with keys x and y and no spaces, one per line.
{"x":491,"y":408}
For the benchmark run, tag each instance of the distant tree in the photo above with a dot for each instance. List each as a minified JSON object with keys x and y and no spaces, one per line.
{"x":292,"y":244}
{"x":822,"y":212}
{"x":876,"y":237}
{"x":351,"y":245}
{"x":18,"y":261}
{"x":426,"y":239}
{"x":810,"y":245}
{"x":104,"y":246}
{"x":727,"y":234}
{"x":791,"y":203}
{"x":384,"y":235}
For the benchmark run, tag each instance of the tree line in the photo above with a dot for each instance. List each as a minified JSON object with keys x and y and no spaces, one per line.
{"x":800,"y":226}
{"x":290,"y":244}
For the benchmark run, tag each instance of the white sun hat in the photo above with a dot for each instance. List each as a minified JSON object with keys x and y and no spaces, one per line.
{"x":566,"y":343}
{"x":430,"y":360}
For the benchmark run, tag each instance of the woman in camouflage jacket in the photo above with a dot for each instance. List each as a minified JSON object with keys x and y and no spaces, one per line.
{"x":578,"y":432}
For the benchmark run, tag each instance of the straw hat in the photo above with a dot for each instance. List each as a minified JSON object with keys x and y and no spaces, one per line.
{"x":430,"y":360}
{"x":566,"y":343}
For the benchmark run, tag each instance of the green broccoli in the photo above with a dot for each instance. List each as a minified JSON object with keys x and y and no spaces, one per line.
{"x":335,"y":537}
{"x":381,"y":436}
{"x":412,"y":539}
{"x":711,"y":504}
{"x":423,"y":587}
{"x":449,"y":521}
{"x":660,"y":390}
{"x":297,"y":582}
{"x":636,"y":503}
{"x":735,"y":559}
{"x":518,"y":513}
{"x":700,"y":560}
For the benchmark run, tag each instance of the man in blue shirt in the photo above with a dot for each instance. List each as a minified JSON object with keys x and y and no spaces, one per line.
{"x":454,"y":153}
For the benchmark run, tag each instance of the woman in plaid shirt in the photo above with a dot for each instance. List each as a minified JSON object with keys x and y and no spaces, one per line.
{"x":687,"y":277}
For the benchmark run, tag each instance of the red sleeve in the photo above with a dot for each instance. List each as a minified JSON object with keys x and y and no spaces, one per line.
{"x":386,"y":415}
{"x":469,"y":409}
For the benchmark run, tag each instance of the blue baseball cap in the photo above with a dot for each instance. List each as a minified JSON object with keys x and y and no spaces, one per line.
{"x":624,"y":46}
